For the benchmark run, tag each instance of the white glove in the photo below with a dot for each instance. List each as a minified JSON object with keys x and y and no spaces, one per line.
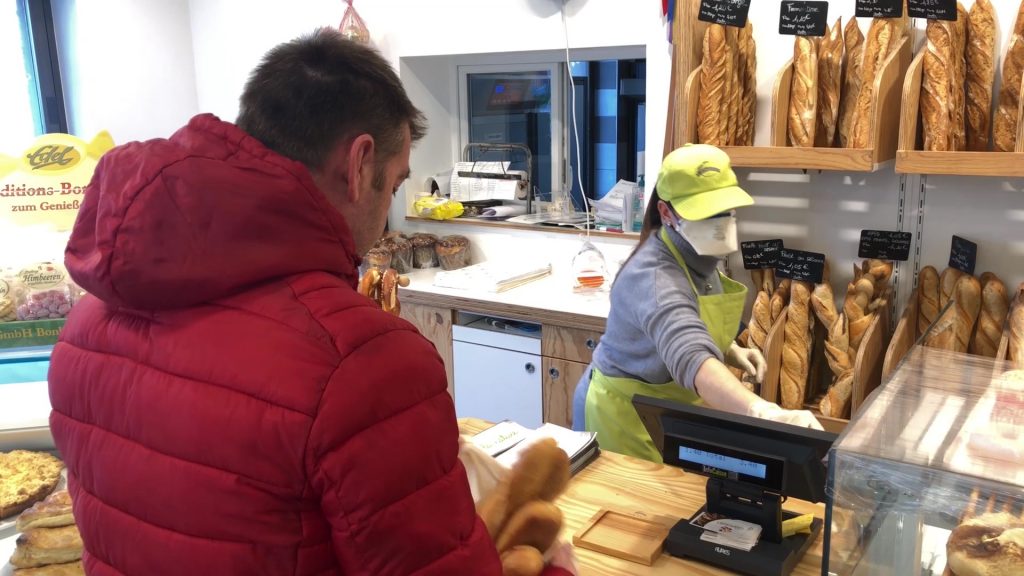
{"x":770,"y":411}
{"x":750,"y":360}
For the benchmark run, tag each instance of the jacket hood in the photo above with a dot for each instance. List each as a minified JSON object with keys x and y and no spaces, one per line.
{"x":201,"y":216}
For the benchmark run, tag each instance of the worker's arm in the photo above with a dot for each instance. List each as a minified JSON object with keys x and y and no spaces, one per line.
{"x":717,"y":386}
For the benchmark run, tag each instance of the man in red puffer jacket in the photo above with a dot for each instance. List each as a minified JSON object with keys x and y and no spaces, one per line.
{"x":226,"y":403}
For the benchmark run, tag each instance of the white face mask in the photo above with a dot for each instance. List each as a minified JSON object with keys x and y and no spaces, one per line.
{"x":711,"y":237}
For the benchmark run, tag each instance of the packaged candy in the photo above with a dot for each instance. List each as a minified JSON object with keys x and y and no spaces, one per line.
{"x":438,"y":208}
{"x":589,"y":269}
{"x":7,"y":294}
{"x":352,"y":26}
{"x":45,"y":293}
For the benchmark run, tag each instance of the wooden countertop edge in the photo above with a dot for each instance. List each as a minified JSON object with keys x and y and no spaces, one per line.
{"x":510,"y":311}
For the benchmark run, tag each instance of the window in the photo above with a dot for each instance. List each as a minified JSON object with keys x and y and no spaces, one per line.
{"x":32,"y":101}
{"x":531,"y":104}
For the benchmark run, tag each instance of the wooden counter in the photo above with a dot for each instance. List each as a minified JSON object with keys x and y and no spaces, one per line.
{"x":633,"y":484}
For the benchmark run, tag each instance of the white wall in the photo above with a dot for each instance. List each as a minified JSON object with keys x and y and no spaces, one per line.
{"x":821,"y":212}
{"x":127,"y":66}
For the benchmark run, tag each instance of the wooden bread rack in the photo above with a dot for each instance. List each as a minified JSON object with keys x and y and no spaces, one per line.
{"x":910,"y":159}
{"x":885,"y":111}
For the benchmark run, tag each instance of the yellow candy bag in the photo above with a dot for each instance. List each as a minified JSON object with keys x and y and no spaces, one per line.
{"x":438,"y":208}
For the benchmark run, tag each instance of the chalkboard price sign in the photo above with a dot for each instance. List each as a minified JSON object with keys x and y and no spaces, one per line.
{"x":963,"y":255}
{"x":803,"y":18}
{"x":725,"y":12}
{"x":879,"y":8}
{"x":800,"y":265}
{"x":932,"y":9}
{"x":885,"y":245}
{"x":760,"y":253}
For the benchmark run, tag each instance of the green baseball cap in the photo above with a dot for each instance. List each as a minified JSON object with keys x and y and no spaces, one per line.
{"x":698,"y":181}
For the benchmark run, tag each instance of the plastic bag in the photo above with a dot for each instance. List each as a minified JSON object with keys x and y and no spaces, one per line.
{"x":44,"y":293}
{"x":8,"y":285}
{"x":589,"y":270}
{"x":438,"y":208}
{"x":352,"y":26}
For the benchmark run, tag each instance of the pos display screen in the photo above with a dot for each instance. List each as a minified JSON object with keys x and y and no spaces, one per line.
{"x":780,"y":458}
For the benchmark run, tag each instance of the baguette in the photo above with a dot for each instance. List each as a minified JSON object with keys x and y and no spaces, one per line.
{"x":764,"y":280}
{"x":824,"y":304}
{"x":854,"y":49}
{"x":795,"y":348}
{"x":780,"y":299}
{"x":876,"y":52}
{"x":981,"y":74}
{"x":928,"y":298}
{"x":936,"y":104}
{"x":958,"y":80}
{"x":716,"y":73}
{"x":880,"y":271}
{"x":953,"y":331}
{"x":1004,"y":129}
{"x":1016,"y":336}
{"x":522,"y":561}
{"x":947,"y":283}
{"x":836,"y":401}
{"x":995,"y":306}
{"x":760,"y":321}
{"x":830,"y":81}
{"x":803,"y":95}
{"x":535,"y":524}
{"x":734,"y":89}
{"x":748,"y":65}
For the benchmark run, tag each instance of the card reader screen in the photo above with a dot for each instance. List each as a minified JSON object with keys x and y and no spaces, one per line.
{"x":722,"y":462}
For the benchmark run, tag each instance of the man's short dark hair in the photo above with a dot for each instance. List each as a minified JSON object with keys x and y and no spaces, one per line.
{"x":309,"y":94}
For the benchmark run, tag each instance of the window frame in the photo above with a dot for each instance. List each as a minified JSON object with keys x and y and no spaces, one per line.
{"x":43,"y":65}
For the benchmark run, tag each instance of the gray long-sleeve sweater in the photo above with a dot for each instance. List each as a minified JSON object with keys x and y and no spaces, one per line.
{"x":654,"y":332}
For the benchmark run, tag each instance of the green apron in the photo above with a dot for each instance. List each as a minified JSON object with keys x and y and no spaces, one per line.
{"x":609,"y":407}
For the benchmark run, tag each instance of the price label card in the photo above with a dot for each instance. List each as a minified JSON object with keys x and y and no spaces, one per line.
{"x":800,"y":265}
{"x":879,"y":8}
{"x":725,"y":12}
{"x":932,"y":9}
{"x":963,"y":255}
{"x":803,"y":18}
{"x":760,"y":253}
{"x":885,"y":245}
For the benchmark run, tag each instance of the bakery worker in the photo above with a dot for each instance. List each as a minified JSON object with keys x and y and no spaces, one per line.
{"x":674,"y":316}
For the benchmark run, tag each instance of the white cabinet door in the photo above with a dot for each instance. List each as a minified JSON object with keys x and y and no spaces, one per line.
{"x":497,"y":384}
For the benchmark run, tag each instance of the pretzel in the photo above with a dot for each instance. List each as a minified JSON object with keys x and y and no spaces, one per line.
{"x":383,"y":288}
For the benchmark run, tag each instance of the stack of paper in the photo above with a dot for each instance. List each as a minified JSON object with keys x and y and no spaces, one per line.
{"x":507,"y":440}
{"x":609,"y":208}
{"x":492,"y":276}
{"x":719,"y":529}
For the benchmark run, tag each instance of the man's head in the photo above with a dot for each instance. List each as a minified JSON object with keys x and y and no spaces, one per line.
{"x":339,"y":108}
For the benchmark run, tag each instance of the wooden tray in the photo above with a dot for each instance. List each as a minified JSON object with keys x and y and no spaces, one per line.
{"x":634,"y":536}
{"x":885,"y":111}
{"x":910,"y":159}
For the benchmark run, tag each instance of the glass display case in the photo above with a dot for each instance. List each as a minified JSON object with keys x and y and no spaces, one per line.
{"x":25,"y":399}
{"x":929,"y":477}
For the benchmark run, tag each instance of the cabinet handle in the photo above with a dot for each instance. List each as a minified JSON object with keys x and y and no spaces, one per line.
{"x":530,"y":368}
{"x":591,"y":344}
{"x":553,"y":372}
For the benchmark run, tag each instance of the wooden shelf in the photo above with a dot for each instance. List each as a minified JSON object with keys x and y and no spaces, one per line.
{"x":910,"y":159}
{"x":885,"y":112}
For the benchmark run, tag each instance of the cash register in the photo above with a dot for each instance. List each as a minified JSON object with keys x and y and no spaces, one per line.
{"x":752,"y":466}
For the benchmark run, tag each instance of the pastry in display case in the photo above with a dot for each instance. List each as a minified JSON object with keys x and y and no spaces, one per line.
{"x":929,"y":476}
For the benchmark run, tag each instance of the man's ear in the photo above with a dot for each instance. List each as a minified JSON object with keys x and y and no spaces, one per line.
{"x":360,"y":162}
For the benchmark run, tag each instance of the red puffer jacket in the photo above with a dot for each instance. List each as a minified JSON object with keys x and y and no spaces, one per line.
{"x":226,"y":402}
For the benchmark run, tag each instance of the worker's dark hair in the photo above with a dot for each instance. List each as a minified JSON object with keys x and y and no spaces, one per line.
{"x":652,"y":223}
{"x":309,"y":94}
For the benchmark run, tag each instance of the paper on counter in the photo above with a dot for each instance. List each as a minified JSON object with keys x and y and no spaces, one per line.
{"x":502,"y":211}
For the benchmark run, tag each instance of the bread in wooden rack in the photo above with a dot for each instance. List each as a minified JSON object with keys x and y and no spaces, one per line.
{"x":1004,"y":127}
{"x":796,"y":348}
{"x":928,"y":298}
{"x":734,"y":87}
{"x":803,"y":94}
{"x":958,"y":84}
{"x":981,"y":74}
{"x":837,"y":351}
{"x":824,"y":304}
{"x":995,"y":306}
{"x":748,"y":75}
{"x":830,"y":83}
{"x":877,"y":47}
{"x":760,"y":320}
{"x":853,"y":51}
{"x":954,"y":328}
{"x":936,"y":82}
{"x":947,"y":283}
{"x":715,"y":75}
{"x":780,"y":298}
{"x":1015,"y":351}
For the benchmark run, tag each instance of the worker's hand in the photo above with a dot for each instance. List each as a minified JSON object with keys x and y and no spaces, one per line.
{"x":771,"y":411}
{"x":750,"y":360}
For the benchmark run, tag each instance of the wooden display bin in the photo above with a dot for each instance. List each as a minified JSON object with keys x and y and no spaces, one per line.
{"x":867,"y":366}
{"x":885,"y":111}
{"x":911,"y":159}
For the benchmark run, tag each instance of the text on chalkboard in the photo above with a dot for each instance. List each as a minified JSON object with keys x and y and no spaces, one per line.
{"x":803,"y":18}
{"x":932,"y":9}
{"x":963,"y":255}
{"x":800,"y":265}
{"x":760,"y":253}
{"x":879,"y":8}
{"x":885,"y":245}
{"x":725,"y":12}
